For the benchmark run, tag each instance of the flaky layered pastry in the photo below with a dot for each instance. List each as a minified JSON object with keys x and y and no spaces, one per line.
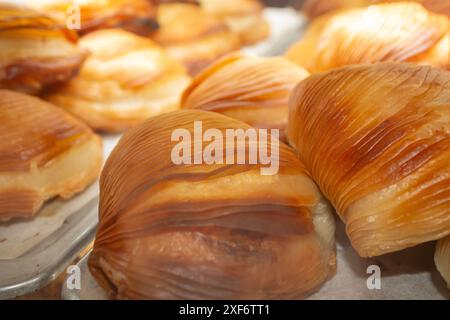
{"x":315,"y":8}
{"x":126,"y":79}
{"x":197,"y":231}
{"x":35,"y":51}
{"x":251,"y":89}
{"x":192,"y":36}
{"x":402,"y":32}
{"x":377,"y":141}
{"x":136,"y":16}
{"x":243,"y":17}
{"x":442,"y":258}
{"x":44,"y":153}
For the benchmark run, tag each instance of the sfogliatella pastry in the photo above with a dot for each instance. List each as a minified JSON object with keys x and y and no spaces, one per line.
{"x":44,"y":153}
{"x":243,"y":17}
{"x":35,"y":51}
{"x":376,"y":139}
{"x":251,"y":89}
{"x":442,"y":258}
{"x":192,"y":36}
{"x":174,"y":230}
{"x":315,"y":8}
{"x":126,"y":79}
{"x":402,"y":32}
{"x":137,"y":16}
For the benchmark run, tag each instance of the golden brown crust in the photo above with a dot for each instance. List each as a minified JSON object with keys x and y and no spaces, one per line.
{"x":126,"y":80}
{"x":218,"y":231}
{"x":137,"y":16}
{"x":254,"y":90}
{"x":35,"y":51}
{"x":403,"y":32}
{"x":315,"y":8}
{"x":44,"y":152}
{"x":442,"y":258}
{"x":196,"y":40}
{"x":377,"y":141}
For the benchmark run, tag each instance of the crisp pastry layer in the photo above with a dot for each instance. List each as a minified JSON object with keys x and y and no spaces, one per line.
{"x":243,"y":17}
{"x":136,"y":16}
{"x":442,"y":258}
{"x":251,"y":89}
{"x":315,"y":8}
{"x":44,"y":152}
{"x":35,"y":51}
{"x":197,"y":39}
{"x":402,"y":32}
{"x":126,"y":79}
{"x":377,"y":141}
{"x":207,"y":231}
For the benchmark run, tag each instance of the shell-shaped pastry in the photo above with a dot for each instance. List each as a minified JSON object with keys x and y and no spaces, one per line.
{"x":137,"y":16}
{"x":217,"y":230}
{"x":442,"y":258}
{"x":197,"y":39}
{"x":401,"y":32}
{"x":44,"y":152}
{"x":376,"y":138}
{"x":315,"y":8}
{"x":251,"y":89}
{"x":125,"y":80}
{"x":243,"y":17}
{"x":35,"y":51}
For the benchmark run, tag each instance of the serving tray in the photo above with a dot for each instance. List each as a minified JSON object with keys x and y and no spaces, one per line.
{"x":35,"y":251}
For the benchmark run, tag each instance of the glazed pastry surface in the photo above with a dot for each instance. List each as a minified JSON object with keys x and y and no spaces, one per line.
{"x":35,"y":51}
{"x":254,"y":90}
{"x":217,"y":231}
{"x":401,"y":32}
{"x":44,"y":152}
{"x":376,"y":139}
{"x":196,"y":40}
{"x":126,"y":80}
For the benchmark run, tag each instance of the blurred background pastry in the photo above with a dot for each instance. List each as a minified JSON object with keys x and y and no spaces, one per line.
{"x":252,"y":89}
{"x":207,"y":231}
{"x":376,"y":139}
{"x":192,"y":36}
{"x":243,"y":17}
{"x":35,"y":51}
{"x":126,"y":79}
{"x":403,"y":32}
{"x":315,"y":8}
{"x":44,"y":153}
{"x":136,"y":16}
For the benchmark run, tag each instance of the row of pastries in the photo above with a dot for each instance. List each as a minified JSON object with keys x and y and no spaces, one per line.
{"x":362,"y":103}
